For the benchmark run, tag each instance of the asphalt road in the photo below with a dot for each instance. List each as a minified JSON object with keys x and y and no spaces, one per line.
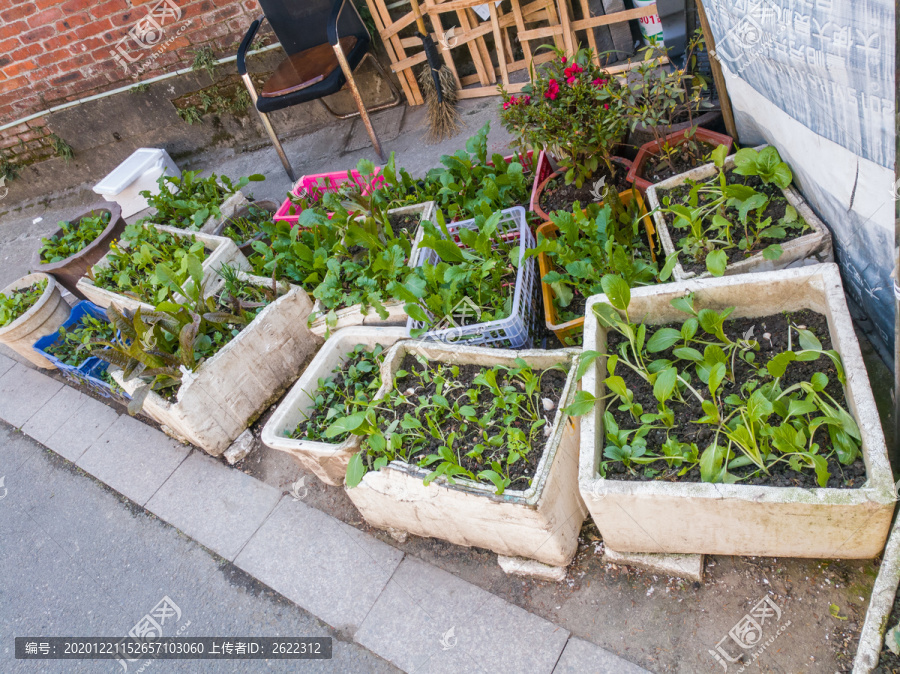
{"x":77,"y":559}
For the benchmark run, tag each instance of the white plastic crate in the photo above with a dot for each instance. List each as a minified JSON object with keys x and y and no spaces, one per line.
{"x":516,"y":331}
{"x":134,"y":175}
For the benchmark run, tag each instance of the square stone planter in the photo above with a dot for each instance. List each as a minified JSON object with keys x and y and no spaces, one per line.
{"x":350,"y":316}
{"x":232,"y":388}
{"x":232,"y":204}
{"x":43,"y":318}
{"x":881,"y":603}
{"x":541,"y":522}
{"x":327,"y":460}
{"x":223,"y":251}
{"x":738,"y":519}
{"x":811,"y":248}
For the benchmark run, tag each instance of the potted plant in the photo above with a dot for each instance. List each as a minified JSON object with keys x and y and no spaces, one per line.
{"x":198,"y":204}
{"x":474,"y":282}
{"x":473,"y":446}
{"x":735,"y":419}
{"x":576,"y":250}
{"x":127,"y":274}
{"x":572,"y":110}
{"x":206,"y":368}
{"x":70,"y":349}
{"x":31,"y":307}
{"x":655,"y":98}
{"x":244,"y":226}
{"x":739,"y":214}
{"x":78,"y":244}
{"x":343,"y":377}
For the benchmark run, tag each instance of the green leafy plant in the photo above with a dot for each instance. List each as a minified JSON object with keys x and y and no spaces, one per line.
{"x":480,"y":273}
{"x":130,"y":267}
{"x":76,"y":343}
{"x":722,"y":215}
{"x":759,"y":417}
{"x":61,"y":148}
{"x":483,"y":429}
{"x":204,"y":60}
{"x":188,"y":201}
{"x":14,"y":303}
{"x":247,"y":228}
{"x":73,"y":237}
{"x":591,"y":243}
{"x":349,"y":388}
{"x":572,"y":109}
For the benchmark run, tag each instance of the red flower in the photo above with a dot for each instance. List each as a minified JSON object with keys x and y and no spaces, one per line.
{"x":506,"y":105}
{"x":571,"y":73}
{"x":552,"y":90}
{"x":599,"y":82}
{"x":563,"y":59}
{"x":606,"y":106}
{"x":525,"y":100}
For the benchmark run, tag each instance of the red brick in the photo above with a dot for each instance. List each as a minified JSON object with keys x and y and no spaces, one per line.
{"x":67,"y":78}
{"x":73,"y":21}
{"x":75,"y":6}
{"x":251,"y":5}
{"x":52,"y":57}
{"x":58,"y":41}
{"x":44,"y":4}
{"x":17,"y":68}
{"x":10,"y":85}
{"x":9,"y":44}
{"x":109,"y":8}
{"x":18,"y":12}
{"x":222,"y":14}
{"x":25,"y":52}
{"x":125,"y":19}
{"x":36,"y":34}
{"x":40,"y":74}
{"x":96,"y":28}
{"x":13,"y":30}
{"x":46,"y":17}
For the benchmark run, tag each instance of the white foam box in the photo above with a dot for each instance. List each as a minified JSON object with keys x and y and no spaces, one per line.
{"x":134,"y":175}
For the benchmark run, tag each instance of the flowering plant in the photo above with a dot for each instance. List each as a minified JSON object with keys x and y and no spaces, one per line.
{"x":572,"y":109}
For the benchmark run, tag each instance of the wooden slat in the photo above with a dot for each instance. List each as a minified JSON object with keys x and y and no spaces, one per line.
{"x":480,"y":56}
{"x":520,"y":26}
{"x":592,"y":42}
{"x":565,"y":23}
{"x":498,"y":43}
{"x":480,"y":92}
{"x":398,"y":25}
{"x":395,"y":51}
{"x":409,"y":62}
{"x":539,"y":33}
{"x":615,"y":17}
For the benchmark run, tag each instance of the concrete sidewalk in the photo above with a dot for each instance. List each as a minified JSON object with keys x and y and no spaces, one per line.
{"x":412,"y":614}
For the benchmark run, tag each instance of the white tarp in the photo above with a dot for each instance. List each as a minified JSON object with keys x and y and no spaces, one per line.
{"x":816,"y":80}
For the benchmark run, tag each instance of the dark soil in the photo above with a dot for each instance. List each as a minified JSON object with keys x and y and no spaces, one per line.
{"x":775,"y":210}
{"x":687,"y":156}
{"x":557,"y":196}
{"x":404,"y":222}
{"x":850,"y":477}
{"x":888,"y":663}
{"x":521,"y":472}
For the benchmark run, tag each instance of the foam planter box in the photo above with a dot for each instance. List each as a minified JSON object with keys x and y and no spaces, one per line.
{"x":353,"y":315}
{"x":89,"y":372}
{"x":246,"y":246}
{"x":138,"y":173}
{"x":229,"y":207}
{"x":881,"y":603}
{"x":568,"y":333}
{"x":651,"y":149}
{"x":541,"y":522}
{"x":516,"y":330}
{"x":327,"y":460}
{"x":43,"y":318}
{"x":811,"y":248}
{"x":222,"y":251}
{"x":738,"y":519}
{"x":68,"y":272}
{"x":232,"y":388}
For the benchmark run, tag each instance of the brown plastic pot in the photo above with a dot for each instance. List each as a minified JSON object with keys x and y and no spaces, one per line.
{"x":644,"y":134}
{"x":68,"y":271}
{"x":247,"y":246}
{"x":536,"y":198}
{"x":648,"y":150}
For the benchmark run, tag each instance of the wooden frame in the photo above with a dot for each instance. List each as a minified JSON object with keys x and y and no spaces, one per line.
{"x":406,"y":53}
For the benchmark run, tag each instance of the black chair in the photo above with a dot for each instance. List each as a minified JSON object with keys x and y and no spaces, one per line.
{"x":325,"y":41}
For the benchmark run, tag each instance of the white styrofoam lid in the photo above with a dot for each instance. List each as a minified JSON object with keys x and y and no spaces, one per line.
{"x":140,"y":161}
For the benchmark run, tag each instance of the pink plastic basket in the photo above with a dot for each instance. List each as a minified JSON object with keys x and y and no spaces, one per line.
{"x":527,"y":161}
{"x":314,"y":186}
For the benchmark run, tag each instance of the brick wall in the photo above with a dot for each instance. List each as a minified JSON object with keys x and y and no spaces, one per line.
{"x":54,"y":51}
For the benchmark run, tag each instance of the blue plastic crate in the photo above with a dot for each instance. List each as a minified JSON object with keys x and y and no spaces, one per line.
{"x":516,"y":331}
{"x":89,"y":372}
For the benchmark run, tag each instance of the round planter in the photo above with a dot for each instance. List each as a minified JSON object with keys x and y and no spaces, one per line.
{"x":247,"y":246}
{"x":68,"y":271}
{"x":536,"y":207}
{"x":43,"y":318}
{"x":642,"y":134}
{"x":648,"y":150}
